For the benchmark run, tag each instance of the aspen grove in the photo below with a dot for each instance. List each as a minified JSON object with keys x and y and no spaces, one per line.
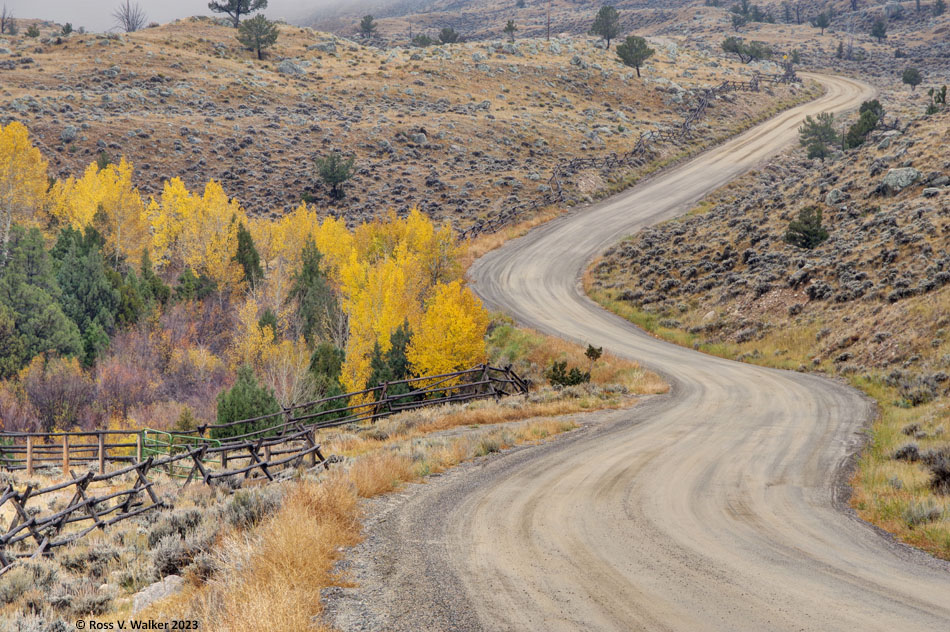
{"x":124,"y":312}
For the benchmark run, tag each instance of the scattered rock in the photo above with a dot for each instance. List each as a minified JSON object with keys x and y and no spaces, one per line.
{"x":901,"y":178}
{"x":161,"y":589}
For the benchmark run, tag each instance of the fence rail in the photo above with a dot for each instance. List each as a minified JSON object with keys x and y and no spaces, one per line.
{"x":260,"y":454}
{"x":637,"y":156}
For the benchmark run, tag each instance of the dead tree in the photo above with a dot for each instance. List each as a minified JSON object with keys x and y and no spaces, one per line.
{"x":130,"y":17}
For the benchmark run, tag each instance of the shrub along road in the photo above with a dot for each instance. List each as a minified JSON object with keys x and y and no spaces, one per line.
{"x":719,"y":507}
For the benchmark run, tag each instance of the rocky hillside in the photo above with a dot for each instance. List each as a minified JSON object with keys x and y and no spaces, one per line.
{"x":727,"y":273}
{"x":459,"y":130}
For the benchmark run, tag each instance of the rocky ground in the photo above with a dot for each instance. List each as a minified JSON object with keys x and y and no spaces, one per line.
{"x":459,"y":130}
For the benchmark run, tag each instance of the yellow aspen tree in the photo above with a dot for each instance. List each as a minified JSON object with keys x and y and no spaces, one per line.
{"x":23,"y":181}
{"x":167,"y":218}
{"x":107,"y":199}
{"x":209,"y":239}
{"x":451,"y":335}
{"x":251,"y":341}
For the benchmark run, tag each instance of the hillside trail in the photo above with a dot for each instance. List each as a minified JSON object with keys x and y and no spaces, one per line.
{"x":721,"y":506}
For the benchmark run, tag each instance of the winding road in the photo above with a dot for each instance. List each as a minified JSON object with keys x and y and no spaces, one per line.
{"x":718,"y":507}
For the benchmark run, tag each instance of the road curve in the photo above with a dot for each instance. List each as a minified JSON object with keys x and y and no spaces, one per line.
{"x":714,"y":508}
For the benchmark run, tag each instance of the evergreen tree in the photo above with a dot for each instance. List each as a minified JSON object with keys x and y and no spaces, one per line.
{"x":193,"y":288}
{"x":817,"y":134}
{"x":634,"y":51}
{"x":940,"y":6}
{"x":368,"y":26}
{"x":87,"y":295}
{"x":870,"y":113}
{"x":326,"y":366}
{"x":879,"y":30}
{"x":392,"y":366}
{"x":912,"y":77}
{"x":806,"y":231}
{"x":247,"y":256}
{"x":257,"y":34}
{"x":422,"y":40}
{"x":606,"y":24}
{"x":317,"y":307}
{"x":153,"y":289}
{"x":268,"y":319}
{"x":245,"y":400}
{"x":334,"y":170}
{"x":510,"y":29}
{"x":448,"y":35}
{"x":29,"y":291}
{"x":236,"y":8}
{"x":822,"y":21}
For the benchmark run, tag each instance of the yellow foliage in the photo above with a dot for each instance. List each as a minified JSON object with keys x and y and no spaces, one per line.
{"x":23,"y":180}
{"x":251,"y":341}
{"x":451,"y":336}
{"x":106,"y":199}
{"x":385,"y":280}
{"x":198,"y":232}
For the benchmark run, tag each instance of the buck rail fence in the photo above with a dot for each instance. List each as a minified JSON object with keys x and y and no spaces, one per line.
{"x":246,"y":451}
{"x":635,"y":157}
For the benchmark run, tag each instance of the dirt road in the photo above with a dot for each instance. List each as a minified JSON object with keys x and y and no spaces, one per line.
{"x":717,"y":507}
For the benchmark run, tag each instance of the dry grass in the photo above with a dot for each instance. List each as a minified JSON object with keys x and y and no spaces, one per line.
{"x":276,"y":573}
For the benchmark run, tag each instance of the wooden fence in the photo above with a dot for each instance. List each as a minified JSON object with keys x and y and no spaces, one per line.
{"x":247,"y":450}
{"x":635,"y":157}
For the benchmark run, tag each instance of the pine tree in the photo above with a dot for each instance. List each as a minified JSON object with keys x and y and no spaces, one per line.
{"x":448,"y":35}
{"x":817,"y":134}
{"x":248,"y":257}
{"x":510,"y":29}
{"x":822,"y":21}
{"x":236,"y":8}
{"x":912,"y":77}
{"x":806,"y":231}
{"x":257,"y":34}
{"x":634,"y":51}
{"x":247,"y":399}
{"x":316,"y":304}
{"x":368,"y":26}
{"x":334,"y":170}
{"x":606,"y":24}
{"x":28,"y":289}
{"x":87,"y":295}
{"x":879,"y":30}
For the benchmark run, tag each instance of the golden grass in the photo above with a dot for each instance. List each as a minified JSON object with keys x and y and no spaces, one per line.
{"x":276,"y":574}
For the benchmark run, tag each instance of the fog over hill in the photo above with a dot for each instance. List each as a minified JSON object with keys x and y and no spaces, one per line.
{"x":96,"y":15}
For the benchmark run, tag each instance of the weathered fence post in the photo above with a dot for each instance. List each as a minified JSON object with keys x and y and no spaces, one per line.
{"x":102,"y":453}
{"x":312,"y":441}
{"x":29,"y":456}
{"x":65,"y":455}
{"x":224,"y":459}
{"x":138,"y":447}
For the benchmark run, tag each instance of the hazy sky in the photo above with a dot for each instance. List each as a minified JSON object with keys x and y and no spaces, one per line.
{"x":96,"y":15}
